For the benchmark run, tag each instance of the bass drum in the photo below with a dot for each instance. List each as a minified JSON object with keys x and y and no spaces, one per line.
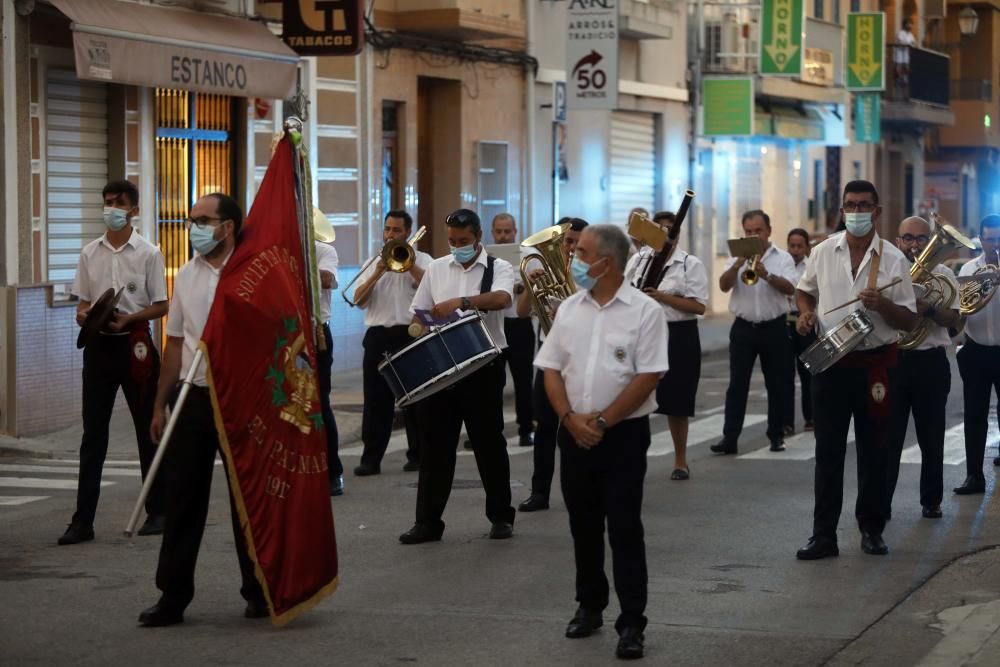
{"x":838,"y":342}
{"x":439,"y":359}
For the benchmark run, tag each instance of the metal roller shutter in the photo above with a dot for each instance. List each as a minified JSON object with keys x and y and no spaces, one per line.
{"x":633,"y":164}
{"x":76,"y":168}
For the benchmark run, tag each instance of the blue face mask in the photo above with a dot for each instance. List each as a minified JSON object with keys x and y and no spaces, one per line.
{"x":115,"y":218}
{"x":858,"y":224}
{"x":464,"y":253}
{"x":203,"y":239}
{"x":581,"y":273}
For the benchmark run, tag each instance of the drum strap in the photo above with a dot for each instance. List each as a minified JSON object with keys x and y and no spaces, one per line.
{"x":876,"y":261}
{"x":486,"y":286}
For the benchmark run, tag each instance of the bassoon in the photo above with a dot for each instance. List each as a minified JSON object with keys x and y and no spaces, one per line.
{"x":657,"y":265}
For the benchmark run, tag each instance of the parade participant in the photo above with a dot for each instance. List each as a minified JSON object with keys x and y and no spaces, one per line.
{"x":979,"y":363}
{"x":327,"y":262}
{"x":761,"y":309}
{"x":798,"y":248}
{"x":862,"y":384}
{"x":520,"y":340}
{"x":924,"y":380}
{"x":466,"y":280}
{"x":386,"y":297}
{"x":547,"y":423}
{"x":214,"y":225}
{"x":683,"y":293}
{"x":122,"y":356}
{"x":600,"y":385}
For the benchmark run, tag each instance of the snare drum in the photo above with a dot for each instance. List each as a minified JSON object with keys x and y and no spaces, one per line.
{"x":838,"y":342}
{"x":439,"y":359}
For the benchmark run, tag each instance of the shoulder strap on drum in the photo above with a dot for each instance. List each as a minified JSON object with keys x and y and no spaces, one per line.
{"x":876,"y":261}
{"x":486,"y":286}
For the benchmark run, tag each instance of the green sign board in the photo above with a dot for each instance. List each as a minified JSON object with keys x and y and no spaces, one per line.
{"x":867,"y":118}
{"x":781,"y":38}
{"x":727,"y":104}
{"x":866,"y":51}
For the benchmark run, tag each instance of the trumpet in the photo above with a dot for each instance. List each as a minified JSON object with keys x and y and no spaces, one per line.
{"x":556,"y":283}
{"x":396,"y":256}
{"x":749,"y":275}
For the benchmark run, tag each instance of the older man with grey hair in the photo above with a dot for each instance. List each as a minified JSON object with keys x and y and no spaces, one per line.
{"x":601,"y":387}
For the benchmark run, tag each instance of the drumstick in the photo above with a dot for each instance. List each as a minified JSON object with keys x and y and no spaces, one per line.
{"x":856,"y":299}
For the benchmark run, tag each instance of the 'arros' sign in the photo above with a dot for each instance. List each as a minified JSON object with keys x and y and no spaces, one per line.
{"x":323,"y":27}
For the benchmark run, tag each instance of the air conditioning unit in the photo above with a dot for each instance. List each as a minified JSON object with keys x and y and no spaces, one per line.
{"x":935,"y":9}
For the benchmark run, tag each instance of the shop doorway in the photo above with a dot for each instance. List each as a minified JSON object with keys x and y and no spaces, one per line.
{"x":439,"y":158}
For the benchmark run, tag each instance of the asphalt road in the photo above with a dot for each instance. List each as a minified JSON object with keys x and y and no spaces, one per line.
{"x":725,"y":587}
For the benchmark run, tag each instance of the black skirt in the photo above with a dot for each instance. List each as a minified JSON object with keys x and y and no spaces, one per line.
{"x":676,"y":391}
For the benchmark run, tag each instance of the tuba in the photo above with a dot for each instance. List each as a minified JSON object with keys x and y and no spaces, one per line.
{"x":555,"y":284}
{"x":940,"y":291}
{"x":396,"y":256}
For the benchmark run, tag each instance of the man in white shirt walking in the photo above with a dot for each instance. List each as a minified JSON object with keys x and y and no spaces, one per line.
{"x":327,"y":263}
{"x":601,"y":387}
{"x":759,"y":330}
{"x":798,"y":248}
{"x":122,"y":356}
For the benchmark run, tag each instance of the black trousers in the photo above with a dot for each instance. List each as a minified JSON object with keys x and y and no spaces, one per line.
{"x":840,"y":394}
{"x":606,"y":482}
{"x":106,"y":367}
{"x":380,"y":404}
{"x":324,"y":364}
{"x":519,"y":355}
{"x":979,"y":366}
{"x":545,"y":440}
{"x":747,"y":341}
{"x":187,"y":468}
{"x":478,"y":400}
{"x":798,"y":345}
{"x":923,"y":386}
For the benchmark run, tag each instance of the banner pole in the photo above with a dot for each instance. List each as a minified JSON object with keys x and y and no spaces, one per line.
{"x":199,"y":357}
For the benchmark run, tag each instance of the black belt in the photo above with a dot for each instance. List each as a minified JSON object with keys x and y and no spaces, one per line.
{"x":923,"y":353}
{"x":764,"y":323}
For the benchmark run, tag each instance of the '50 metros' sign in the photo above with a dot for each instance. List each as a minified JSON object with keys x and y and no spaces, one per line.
{"x":592,"y":54}
{"x":323,"y":27}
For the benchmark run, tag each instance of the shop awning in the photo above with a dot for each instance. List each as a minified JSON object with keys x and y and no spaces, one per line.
{"x":162,"y":47}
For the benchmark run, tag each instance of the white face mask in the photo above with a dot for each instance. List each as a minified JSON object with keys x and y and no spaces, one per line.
{"x":858,"y":223}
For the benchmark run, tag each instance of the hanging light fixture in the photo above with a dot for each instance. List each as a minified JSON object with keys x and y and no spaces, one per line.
{"x":968,"y":21}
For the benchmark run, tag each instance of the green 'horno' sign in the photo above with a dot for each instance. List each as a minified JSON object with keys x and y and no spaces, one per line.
{"x":866,"y":51}
{"x":781,"y":38}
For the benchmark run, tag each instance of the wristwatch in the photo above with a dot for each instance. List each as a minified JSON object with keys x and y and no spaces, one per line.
{"x":466,"y":303}
{"x":602,"y":423}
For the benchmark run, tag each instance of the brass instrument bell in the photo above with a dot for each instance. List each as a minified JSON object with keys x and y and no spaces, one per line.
{"x":749,"y":275}
{"x":555,"y":284}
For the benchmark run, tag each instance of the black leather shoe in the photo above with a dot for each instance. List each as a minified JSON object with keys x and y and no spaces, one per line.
{"x":337,"y":486}
{"x":873,"y":544}
{"x":421,"y":533}
{"x":256,"y":609}
{"x":777,"y":446}
{"x":817,"y":548}
{"x":971,"y":486}
{"x":724,"y":447}
{"x":526,"y":440}
{"x":411,"y":466}
{"x":534,"y":503}
{"x":629,"y":644}
{"x":584,"y":624}
{"x":932,"y":512}
{"x":153,"y":525}
{"x":366,"y":469}
{"x":77,"y":533}
{"x":501,"y":530}
{"x":159,"y":615}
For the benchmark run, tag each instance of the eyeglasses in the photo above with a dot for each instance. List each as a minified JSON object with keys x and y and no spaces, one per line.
{"x":864,"y":206}
{"x":203,"y":221}
{"x":910,"y":238}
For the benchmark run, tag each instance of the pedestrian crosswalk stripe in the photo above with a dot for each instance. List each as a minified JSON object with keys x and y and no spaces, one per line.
{"x":61,"y":470}
{"x":700,"y":431}
{"x":76,"y":462}
{"x":19,"y":500}
{"x":41,"y":483}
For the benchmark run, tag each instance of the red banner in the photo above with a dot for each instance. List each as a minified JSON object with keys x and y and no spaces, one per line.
{"x":261,"y":363}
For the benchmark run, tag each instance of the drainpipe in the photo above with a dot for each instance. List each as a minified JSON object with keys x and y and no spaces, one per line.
{"x":528,"y":188}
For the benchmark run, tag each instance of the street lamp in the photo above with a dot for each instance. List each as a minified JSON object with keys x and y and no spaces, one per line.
{"x":968,"y":21}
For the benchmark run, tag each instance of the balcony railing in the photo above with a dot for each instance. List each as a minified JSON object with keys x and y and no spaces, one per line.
{"x":916,"y":75}
{"x":978,"y":90}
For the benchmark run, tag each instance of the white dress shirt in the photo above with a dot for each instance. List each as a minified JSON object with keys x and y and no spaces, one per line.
{"x":598,"y":350}
{"x":137,"y":266}
{"x":761,"y":302}
{"x":637,"y":261}
{"x":800,"y":270}
{"x":511,"y":310}
{"x":685,"y":277}
{"x":389,"y":303}
{"x":326,"y":260}
{"x":937,"y":335}
{"x":194,"y":292}
{"x":984,"y":326}
{"x":828,"y":278}
{"x":446,"y":279}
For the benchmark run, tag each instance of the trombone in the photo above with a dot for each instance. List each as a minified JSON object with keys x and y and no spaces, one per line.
{"x":396,"y":256}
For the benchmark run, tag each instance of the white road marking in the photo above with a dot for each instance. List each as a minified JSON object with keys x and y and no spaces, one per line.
{"x":700,"y":431}
{"x":19,"y":500}
{"x":40,"y":483}
{"x":62,"y":470}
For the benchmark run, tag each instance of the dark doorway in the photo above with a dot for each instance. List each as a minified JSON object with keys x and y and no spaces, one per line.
{"x":439,"y":158}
